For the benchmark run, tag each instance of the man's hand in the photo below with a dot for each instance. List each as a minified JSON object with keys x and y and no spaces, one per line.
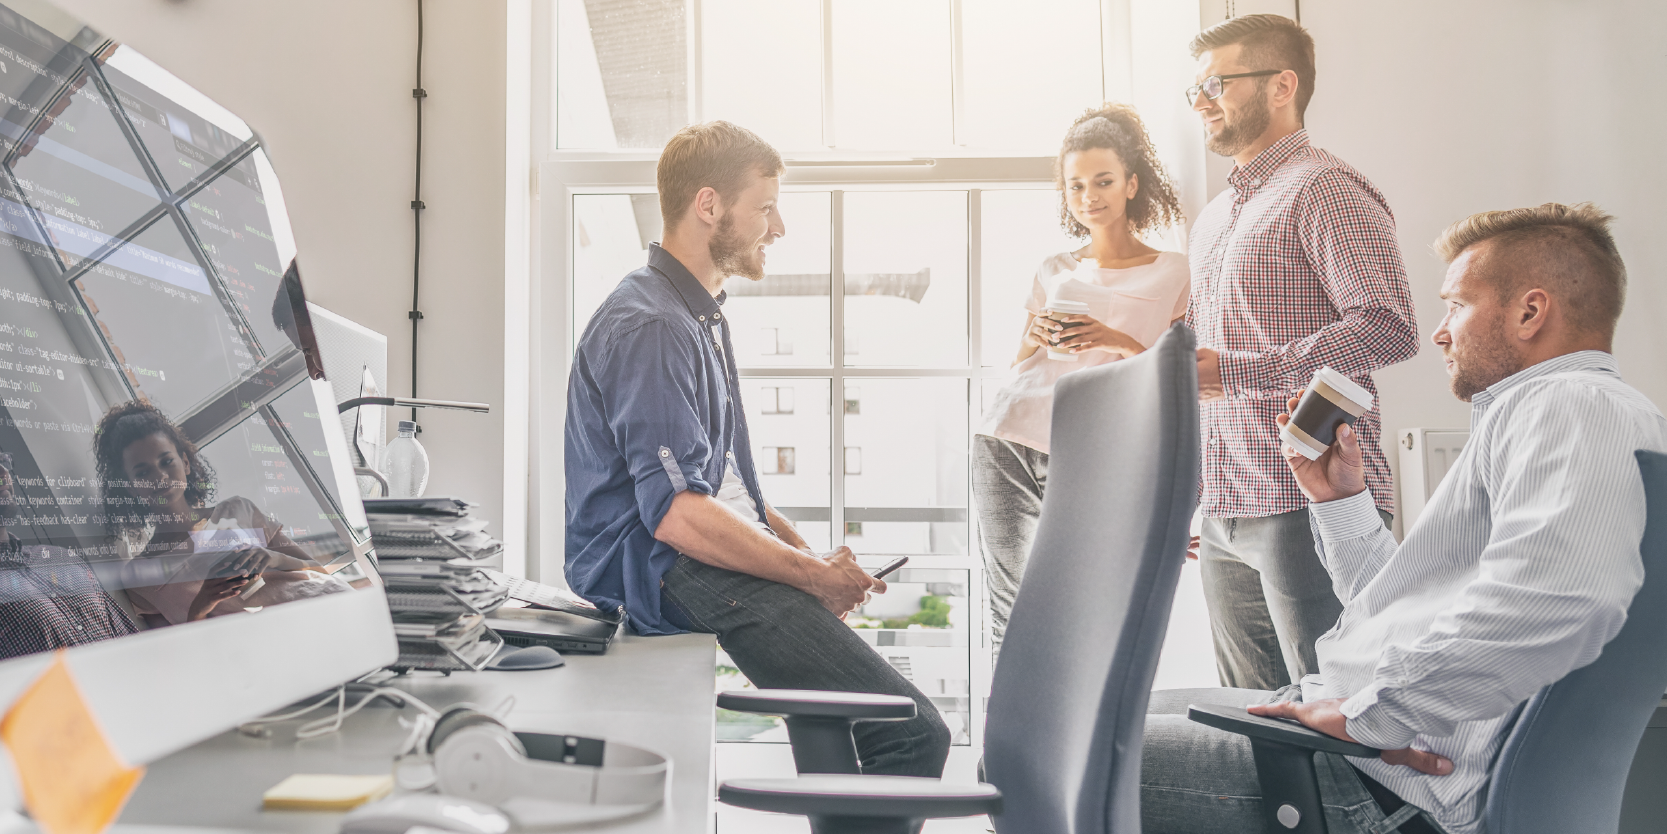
{"x":1209,"y":376}
{"x":1327,"y":717}
{"x":1339,"y":473}
{"x":840,"y":585}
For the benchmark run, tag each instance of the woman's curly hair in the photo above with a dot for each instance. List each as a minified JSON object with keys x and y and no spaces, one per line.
{"x":1117,"y":127}
{"x":118,"y":429}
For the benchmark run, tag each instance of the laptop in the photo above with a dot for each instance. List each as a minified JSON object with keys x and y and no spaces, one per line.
{"x":564,"y":632}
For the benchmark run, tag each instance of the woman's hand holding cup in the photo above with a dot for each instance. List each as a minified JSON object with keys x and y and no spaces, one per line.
{"x":1087,"y":333}
{"x":1338,"y":473}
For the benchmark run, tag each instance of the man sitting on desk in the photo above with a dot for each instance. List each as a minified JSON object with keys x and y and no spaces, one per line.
{"x":1520,"y":570}
{"x":664,"y":513}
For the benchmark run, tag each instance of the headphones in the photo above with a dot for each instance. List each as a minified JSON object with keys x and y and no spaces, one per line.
{"x":542,"y":779}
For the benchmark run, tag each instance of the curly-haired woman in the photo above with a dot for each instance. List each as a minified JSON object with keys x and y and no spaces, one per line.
{"x":190,"y":558}
{"x":1112,"y":189}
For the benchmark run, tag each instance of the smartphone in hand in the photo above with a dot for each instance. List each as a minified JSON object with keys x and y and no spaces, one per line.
{"x":890,"y":566}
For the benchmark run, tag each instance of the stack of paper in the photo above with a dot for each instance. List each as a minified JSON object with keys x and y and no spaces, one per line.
{"x":430,"y":553}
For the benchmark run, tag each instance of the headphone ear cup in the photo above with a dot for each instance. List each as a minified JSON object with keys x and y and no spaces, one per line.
{"x":457,"y":718}
{"x":483,"y":761}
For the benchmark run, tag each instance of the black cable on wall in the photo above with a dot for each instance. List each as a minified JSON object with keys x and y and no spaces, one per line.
{"x":417,"y":207}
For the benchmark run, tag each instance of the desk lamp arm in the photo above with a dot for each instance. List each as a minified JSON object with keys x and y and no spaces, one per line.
{"x":406,"y":402}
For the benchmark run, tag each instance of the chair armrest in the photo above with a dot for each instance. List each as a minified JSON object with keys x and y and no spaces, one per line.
{"x":1237,"y":720}
{"x":807,"y":703}
{"x":819,"y":723}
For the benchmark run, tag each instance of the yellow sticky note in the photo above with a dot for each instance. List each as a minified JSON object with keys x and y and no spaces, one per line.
{"x":326,"y":792}
{"x":73,"y":782}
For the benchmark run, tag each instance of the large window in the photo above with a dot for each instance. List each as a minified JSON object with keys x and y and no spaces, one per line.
{"x":928,"y":277}
{"x":919,"y":137}
{"x":827,"y":74}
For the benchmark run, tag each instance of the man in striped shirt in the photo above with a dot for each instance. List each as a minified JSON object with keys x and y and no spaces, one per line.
{"x":1518,"y":573}
{"x":1294,"y":267}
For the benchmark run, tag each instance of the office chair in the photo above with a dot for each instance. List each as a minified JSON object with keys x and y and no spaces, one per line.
{"x":1563,"y":767}
{"x":1068,"y":704}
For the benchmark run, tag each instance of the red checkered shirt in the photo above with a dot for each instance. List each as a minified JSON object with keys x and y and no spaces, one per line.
{"x":1295,"y":266}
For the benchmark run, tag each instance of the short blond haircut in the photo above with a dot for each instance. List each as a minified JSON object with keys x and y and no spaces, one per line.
{"x":1566,"y":250}
{"x":717,"y":154}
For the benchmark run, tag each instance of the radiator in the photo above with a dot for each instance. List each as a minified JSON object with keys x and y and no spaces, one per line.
{"x":1426,"y":455}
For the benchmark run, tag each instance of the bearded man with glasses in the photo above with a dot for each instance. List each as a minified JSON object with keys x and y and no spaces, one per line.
{"x":1295,"y":266}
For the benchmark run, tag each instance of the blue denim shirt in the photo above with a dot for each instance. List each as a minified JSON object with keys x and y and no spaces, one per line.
{"x":653,"y":409}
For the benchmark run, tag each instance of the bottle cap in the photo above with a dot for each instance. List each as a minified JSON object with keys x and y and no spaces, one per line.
{"x":408,"y":425}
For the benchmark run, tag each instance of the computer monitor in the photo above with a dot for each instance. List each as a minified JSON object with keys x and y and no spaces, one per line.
{"x":178,"y":509}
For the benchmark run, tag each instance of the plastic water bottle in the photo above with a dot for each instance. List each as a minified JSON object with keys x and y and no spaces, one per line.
{"x":407,"y":463}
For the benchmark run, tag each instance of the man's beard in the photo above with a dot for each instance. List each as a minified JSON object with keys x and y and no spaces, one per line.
{"x":1484,"y":362}
{"x":1237,"y":135}
{"x":733,"y":255}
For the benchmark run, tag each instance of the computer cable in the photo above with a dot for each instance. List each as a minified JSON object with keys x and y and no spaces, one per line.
{"x":257,"y":728}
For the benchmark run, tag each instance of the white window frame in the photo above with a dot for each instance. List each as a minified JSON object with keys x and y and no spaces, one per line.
{"x":570,"y":174}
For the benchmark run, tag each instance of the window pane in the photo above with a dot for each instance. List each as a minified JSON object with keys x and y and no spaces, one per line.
{"x":921,"y":626}
{"x":913,"y":436}
{"x":761,"y":68}
{"x":906,"y":278}
{"x":621,"y":73}
{"x":1029,"y":69}
{"x":801,"y":426}
{"x":77,"y":169}
{"x":156,"y":279}
{"x":232,"y":219}
{"x":611,"y":233}
{"x":1021,"y":228}
{"x":183,"y":131}
{"x":891,"y":69}
{"x":783,"y":320}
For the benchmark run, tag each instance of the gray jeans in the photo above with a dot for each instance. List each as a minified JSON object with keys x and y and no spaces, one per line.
{"x":782,"y":638}
{"x":1199,"y":780}
{"x":1007,"y":483}
{"x":1269,"y":597}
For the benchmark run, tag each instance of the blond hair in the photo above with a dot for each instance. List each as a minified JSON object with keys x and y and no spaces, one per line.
{"x":1566,"y":250}
{"x":718,"y":155}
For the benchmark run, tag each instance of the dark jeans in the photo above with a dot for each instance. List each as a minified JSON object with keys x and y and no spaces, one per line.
{"x":782,"y":638}
{"x":1199,"y":780}
{"x":1269,"y":597}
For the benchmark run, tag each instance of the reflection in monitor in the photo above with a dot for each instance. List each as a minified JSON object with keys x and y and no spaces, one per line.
{"x":166,"y":457}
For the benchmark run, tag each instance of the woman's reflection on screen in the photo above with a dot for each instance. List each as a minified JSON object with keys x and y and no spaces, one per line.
{"x":49,"y":598}
{"x":191,"y":558}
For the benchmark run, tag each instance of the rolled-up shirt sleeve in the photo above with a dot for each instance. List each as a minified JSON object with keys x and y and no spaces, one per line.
{"x":657,"y":417}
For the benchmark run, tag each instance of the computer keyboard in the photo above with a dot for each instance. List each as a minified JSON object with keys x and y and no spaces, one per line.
{"x":551,"y":597}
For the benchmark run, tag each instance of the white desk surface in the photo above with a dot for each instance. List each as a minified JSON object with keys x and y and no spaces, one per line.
{"x":655,"y":692}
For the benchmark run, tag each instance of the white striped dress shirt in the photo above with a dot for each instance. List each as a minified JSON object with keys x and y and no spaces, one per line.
{"x":1519,"y":571}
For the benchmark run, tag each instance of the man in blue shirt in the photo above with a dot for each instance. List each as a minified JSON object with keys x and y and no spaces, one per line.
{"x":664,"y":514}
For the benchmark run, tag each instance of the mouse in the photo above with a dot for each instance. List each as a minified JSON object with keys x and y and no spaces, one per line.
{"x":527,"y":658}
{"x":397,"y":814}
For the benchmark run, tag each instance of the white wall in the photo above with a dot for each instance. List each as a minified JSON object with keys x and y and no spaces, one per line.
{"x":1454,"y":108}
{"x":328,"y":86}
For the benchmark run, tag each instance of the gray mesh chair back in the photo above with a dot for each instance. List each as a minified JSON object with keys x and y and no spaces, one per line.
{"x":1068,"y":705}
{"x":1564,"y":766}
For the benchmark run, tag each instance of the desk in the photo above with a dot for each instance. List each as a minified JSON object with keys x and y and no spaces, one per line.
{"x":654,"y":692}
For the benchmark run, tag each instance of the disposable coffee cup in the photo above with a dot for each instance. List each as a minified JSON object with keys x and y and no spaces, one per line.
{"x":1330,"y":401}
{"x":1058,"y":309}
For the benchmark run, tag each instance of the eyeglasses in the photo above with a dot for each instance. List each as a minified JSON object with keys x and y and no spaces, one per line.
{"x":1215,"y":85}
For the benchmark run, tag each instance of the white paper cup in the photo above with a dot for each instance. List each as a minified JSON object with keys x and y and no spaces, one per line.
{"x":1330,"y":401}
{"x":1057,"y":309}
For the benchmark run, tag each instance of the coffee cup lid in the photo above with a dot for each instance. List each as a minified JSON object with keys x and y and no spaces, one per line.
{"x":1067,"y":305}
{"x":1345,"y":386}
